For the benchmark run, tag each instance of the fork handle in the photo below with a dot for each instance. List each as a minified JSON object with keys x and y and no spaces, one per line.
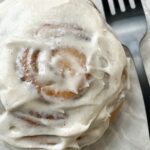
{"x":143,"y":80}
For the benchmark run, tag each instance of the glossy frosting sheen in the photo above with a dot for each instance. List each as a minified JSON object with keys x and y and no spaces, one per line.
{"x":62,"y":74}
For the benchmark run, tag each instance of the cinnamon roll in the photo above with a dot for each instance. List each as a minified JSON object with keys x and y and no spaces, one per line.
{"x":63,"y":74}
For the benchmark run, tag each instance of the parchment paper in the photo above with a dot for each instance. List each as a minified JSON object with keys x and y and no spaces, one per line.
{"x":129,"y":131}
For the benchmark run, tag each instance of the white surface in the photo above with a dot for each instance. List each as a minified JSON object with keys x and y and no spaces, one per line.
{"x":129,"y":132}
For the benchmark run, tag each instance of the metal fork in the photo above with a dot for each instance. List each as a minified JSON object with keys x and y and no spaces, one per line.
{"x":130,"y":26}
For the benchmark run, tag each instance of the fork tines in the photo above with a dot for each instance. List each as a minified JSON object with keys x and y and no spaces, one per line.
{"x":138,"y":4}
{"x":106,"y":7}
{"x":127,"y":4}
{"x":117,"y":6}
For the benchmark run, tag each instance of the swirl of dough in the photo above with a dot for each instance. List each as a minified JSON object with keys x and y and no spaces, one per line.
{"x":51,"y":71}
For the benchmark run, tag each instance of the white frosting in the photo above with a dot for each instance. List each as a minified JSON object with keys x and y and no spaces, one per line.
{"x":56,"y":122}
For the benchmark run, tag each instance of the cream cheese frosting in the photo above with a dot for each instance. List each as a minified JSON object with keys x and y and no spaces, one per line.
{"x":62,"y":74}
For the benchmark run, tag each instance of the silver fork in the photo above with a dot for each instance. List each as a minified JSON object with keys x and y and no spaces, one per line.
{"x":130,"y":26}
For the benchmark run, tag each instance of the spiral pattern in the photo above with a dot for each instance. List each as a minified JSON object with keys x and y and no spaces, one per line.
{"x":60,"y":72}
